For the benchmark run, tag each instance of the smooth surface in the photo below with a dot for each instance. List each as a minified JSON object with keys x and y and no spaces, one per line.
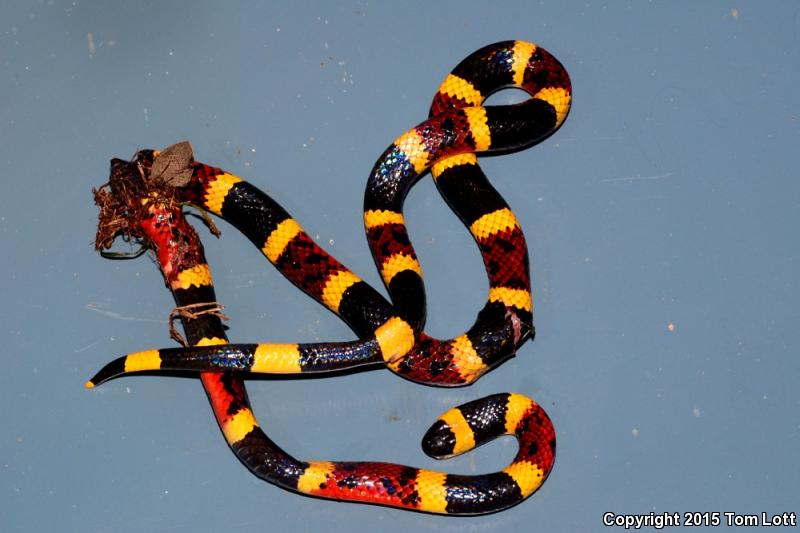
{"x":662,"y":220}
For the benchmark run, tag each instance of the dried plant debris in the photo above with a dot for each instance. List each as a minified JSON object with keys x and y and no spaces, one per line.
{"x":173,"y":165}
{"x":150,"y":175}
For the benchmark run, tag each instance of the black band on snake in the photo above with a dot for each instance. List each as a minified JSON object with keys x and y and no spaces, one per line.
{"x":389,"y":333}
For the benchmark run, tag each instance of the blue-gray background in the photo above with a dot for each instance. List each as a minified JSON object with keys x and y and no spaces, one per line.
{"x":662,"y":220}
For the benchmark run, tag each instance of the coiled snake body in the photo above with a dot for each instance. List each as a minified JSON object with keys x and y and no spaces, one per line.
{"x":391,"y":334}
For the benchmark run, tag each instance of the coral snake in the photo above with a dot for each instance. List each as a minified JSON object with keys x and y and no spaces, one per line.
{"x":390,"y":334}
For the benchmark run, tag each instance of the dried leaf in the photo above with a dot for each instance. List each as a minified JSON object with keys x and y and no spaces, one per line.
{"x":173,"y":165}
